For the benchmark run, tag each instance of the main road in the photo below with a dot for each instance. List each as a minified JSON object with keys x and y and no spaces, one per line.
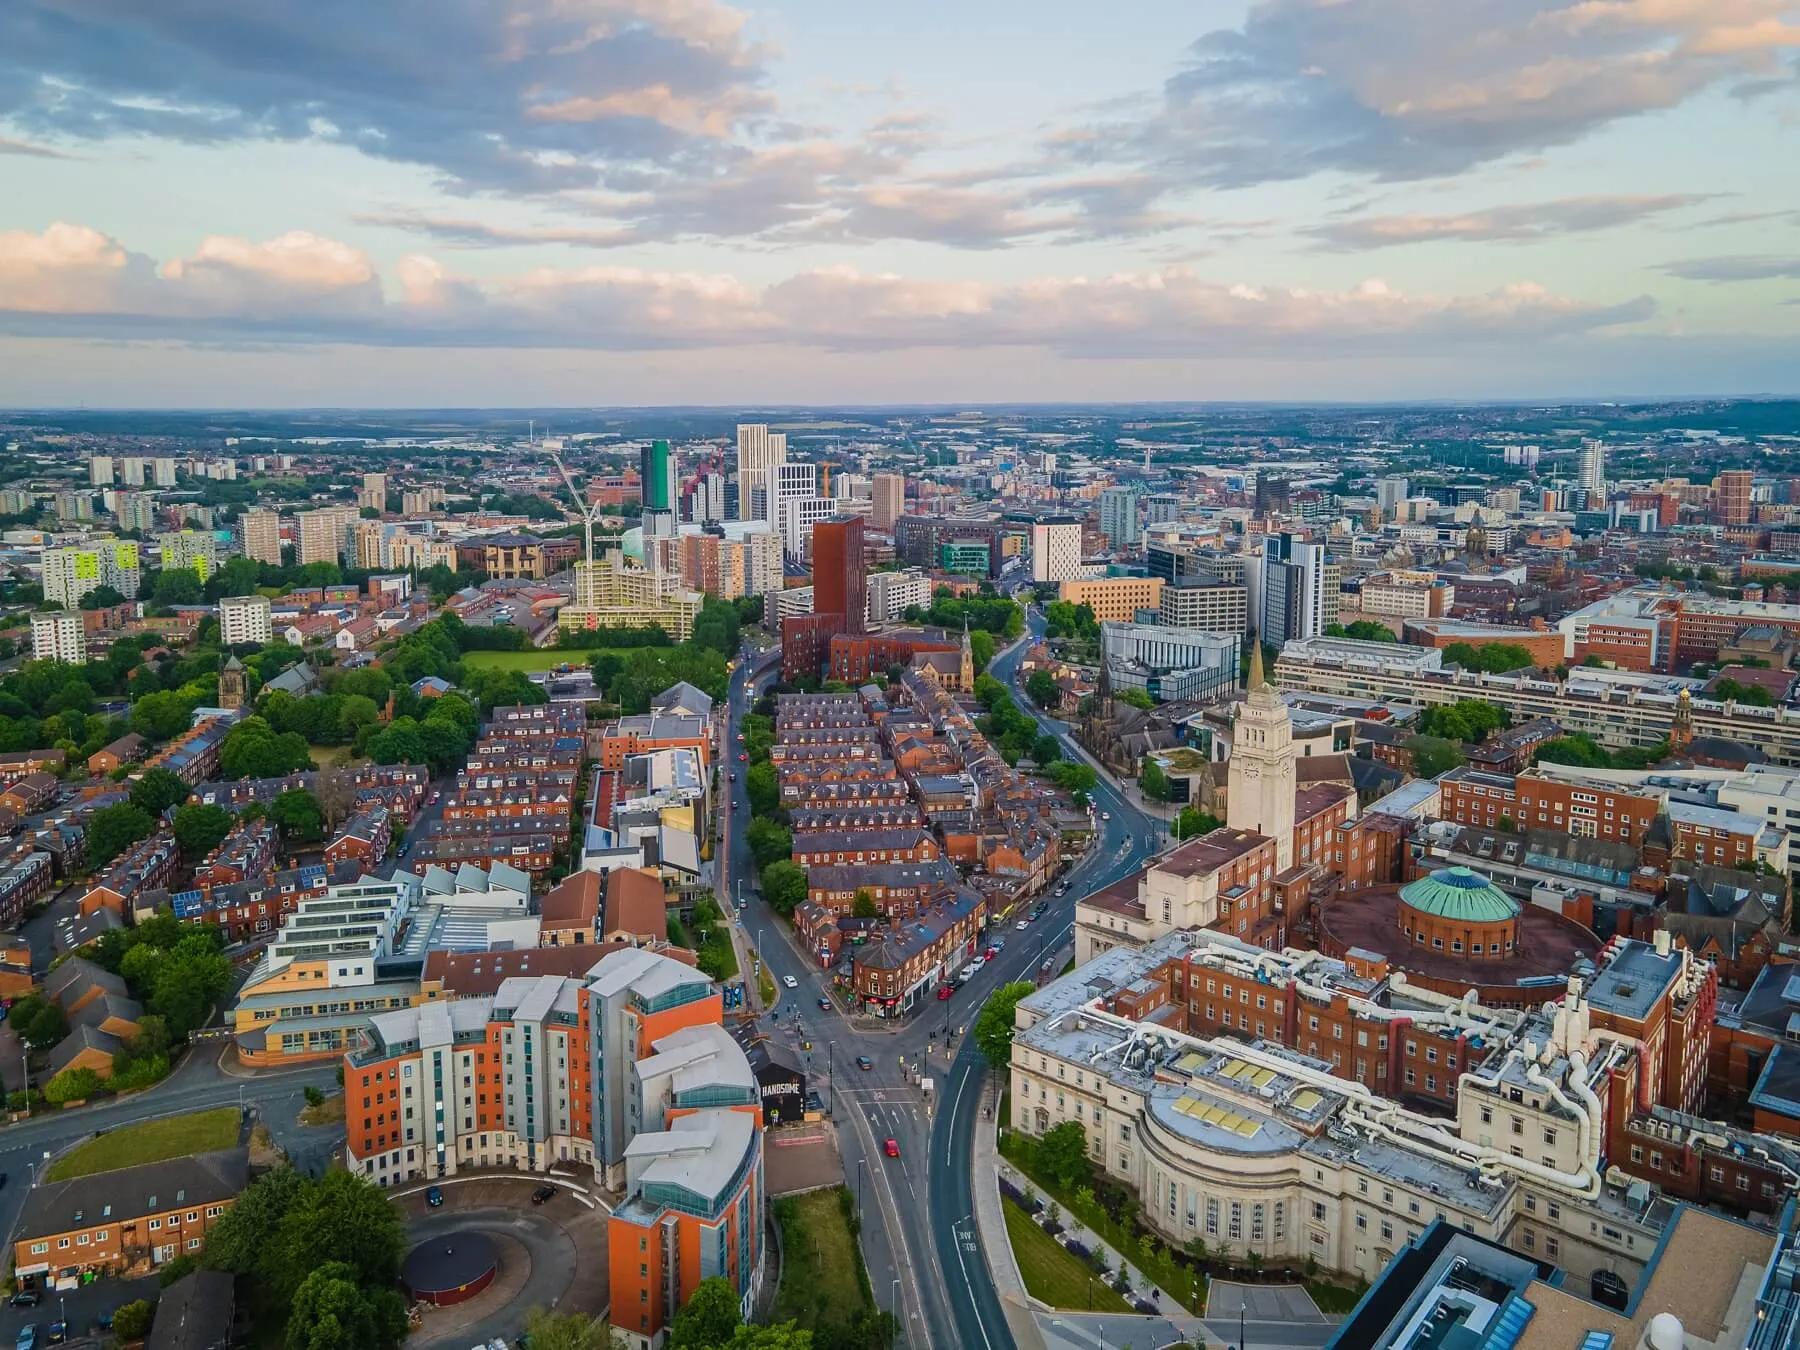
{"x":917,"y":1203}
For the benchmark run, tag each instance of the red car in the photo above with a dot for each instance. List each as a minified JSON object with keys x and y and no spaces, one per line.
{"x":891,"y":1148}
{"x":944,"y":991}
{"x":742,"y":759}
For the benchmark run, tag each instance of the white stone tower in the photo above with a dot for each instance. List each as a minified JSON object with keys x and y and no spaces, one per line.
{"x":1260,"y":790}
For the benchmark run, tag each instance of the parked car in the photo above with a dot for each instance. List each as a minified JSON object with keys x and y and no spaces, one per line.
{"x":434,"y":1197}
{"x":1022,"y":924}
{"x":59,"y":1332}
{"x":976,"y":964}
{"x":944,"y":991}
{"x":26,"y":1298}
{"x":27,"y":1336}
{"x":542,"y":1193}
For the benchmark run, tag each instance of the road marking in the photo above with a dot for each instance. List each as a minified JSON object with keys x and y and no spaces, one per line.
{"x":963,"y":1261}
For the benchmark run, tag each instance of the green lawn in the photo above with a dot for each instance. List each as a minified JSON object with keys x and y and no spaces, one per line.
{"x":1051,"y":1274}
{"x":148,"y":1142}
{"x":820,"y":1281}
{"x":537,"y":658}
{"x":329,"y":756}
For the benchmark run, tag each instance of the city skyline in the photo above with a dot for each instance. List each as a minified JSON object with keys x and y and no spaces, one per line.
{"x":615,"y":202}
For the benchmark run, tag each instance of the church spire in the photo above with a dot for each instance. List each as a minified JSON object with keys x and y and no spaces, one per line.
{"x":1256,"y":667}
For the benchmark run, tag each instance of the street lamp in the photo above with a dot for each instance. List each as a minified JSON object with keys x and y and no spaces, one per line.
{"x":830,"y":1080}
{"x":861,"y":1166}
{"x":896,"y":1301}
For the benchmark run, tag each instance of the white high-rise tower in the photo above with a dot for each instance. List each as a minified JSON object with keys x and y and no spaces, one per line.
{"x":1260,"y":773}
{"x":1593,"y":469}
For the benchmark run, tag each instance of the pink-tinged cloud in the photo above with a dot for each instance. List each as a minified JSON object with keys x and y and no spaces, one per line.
{"x":304,"y":289}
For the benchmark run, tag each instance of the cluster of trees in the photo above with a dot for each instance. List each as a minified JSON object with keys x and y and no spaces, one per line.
{"x":987,"y":613}
{"x":585,"y":639}
{"x":1152,"y":781}
{"x":1073,"y":777}
{"x":1012,"y":731}
{"x":632,"y":680}
{"x":176,"y":970}
{"x":1192,"y":821}
{"x":713,"y":954}
{"x":1433,"y":755}
{"x":1468,"y":719}
{"x":1494,"y":658}
{"x":1064,"y":620}
{"x":713,"y":1320}
{"x":321,"y":1258}
{"x":1363,"y":630}
{"x":994,"y":1023}
{"x":254,"y":749}
{"x":1585,"y":752}
{"x":442,"y":738}
{"x":1753,"y":694}
{"x":1043,"y":690}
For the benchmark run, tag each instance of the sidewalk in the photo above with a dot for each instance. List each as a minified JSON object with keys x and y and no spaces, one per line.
{"x":990,"y":1224}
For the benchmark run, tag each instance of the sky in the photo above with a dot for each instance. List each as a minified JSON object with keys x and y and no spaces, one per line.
{"x":239,"y":203}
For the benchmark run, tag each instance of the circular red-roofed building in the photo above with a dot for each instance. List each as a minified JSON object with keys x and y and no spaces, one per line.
{"x":1453,"y":931}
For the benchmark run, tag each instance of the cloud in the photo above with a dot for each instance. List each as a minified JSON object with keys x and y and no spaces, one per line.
{"x":1746,"y":267}
{"x":30,"y":151}
{"x":1401,"y":89}
{"x":1522,"y":221}
{"x":476,"y":234}
{"x":520,"y":95}
{"x":302,"y":289}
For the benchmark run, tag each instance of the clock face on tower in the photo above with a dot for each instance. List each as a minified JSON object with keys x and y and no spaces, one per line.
{"x":1252,"y":770}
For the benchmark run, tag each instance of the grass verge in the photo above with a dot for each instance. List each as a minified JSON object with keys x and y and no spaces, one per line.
{"x":328,"y":1112}
{"x":1336,"y":1299}
{"x":149,"y":1141}
{"x":538,"y":658}
{"x":329,"y":756}
{"x":1053,"y":1275}
{"x":821,"y":1277}
{"x":1157,"y":1262}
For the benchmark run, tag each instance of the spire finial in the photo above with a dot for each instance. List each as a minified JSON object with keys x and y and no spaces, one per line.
{"x":1256,"y":666}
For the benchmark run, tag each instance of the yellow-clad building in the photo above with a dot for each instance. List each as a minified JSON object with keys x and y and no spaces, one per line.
{"x":1115,"y":599}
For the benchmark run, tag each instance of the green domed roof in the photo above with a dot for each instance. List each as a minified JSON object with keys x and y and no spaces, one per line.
{"x":631,"y":544}
{"x":1461,"y":895}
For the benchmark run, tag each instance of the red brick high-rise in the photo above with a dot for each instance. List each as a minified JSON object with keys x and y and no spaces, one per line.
{"x":839,"y":583}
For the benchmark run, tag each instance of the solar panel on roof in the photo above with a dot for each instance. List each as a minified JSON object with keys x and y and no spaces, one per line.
{"x":1263,"y":1077}
{"x":1306,"y":1099}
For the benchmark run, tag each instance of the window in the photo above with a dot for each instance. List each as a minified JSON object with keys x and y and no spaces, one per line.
{"x":1212,"y":1216}
{"x":1236,"y":1231}
{"x":154,"y":1225}
{"x":193,"y":1244}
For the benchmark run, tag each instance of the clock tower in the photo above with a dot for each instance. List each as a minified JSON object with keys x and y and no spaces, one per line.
{"x":1260,"y":777}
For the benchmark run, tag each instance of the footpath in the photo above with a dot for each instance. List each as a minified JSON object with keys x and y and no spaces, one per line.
{"x":1022,"y":1310}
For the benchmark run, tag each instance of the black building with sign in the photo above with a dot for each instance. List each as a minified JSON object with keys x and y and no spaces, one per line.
{"x":780,"y":1080}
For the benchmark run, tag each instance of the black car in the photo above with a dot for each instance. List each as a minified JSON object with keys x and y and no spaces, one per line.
{"x":434,"y":1197}
{"x":541,"y":1194}
{"x":26,"y":1298}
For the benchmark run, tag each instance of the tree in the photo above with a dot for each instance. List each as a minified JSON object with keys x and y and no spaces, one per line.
{"x":186,"y":982}
{"x":332,"y":1310}
{"x":862,"y":905}
{"x":298,"y":814}
{"x":763,"y":789}
{"x":1043,"y":690}
{"x":784,"y":886}
{"x":1075,"y":778}
{"x":1192,"y":821}
{"x":1577,"y":749}
{"x":342,"y":1217}
{"x":1045,"y":749}
{"x":768,"y":841}
{"x":1433,"y":755}
{"x":159,"y":789}
{"x":162,"y":715}
{"x":252,"y":749}
{"x":243,"y":1240}
{"x":103,"y":597}
{"x":200,"y":829}
{"x":335,"y":792}
{"x":71,"y":1085}
{"x":546,"y":1330}
{"x":1136,"y":698}
{"x":131,"y":1321}
{"x":1062,"y":1152}
{"x":1152,"y":781}
{"x":781,"y":1336}
{"x":994,"y":1024}
{"x":981,"y":648}
{"x":710,"y":1318}
{"x":39,"y":1022}
{"x":113,"y":829}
